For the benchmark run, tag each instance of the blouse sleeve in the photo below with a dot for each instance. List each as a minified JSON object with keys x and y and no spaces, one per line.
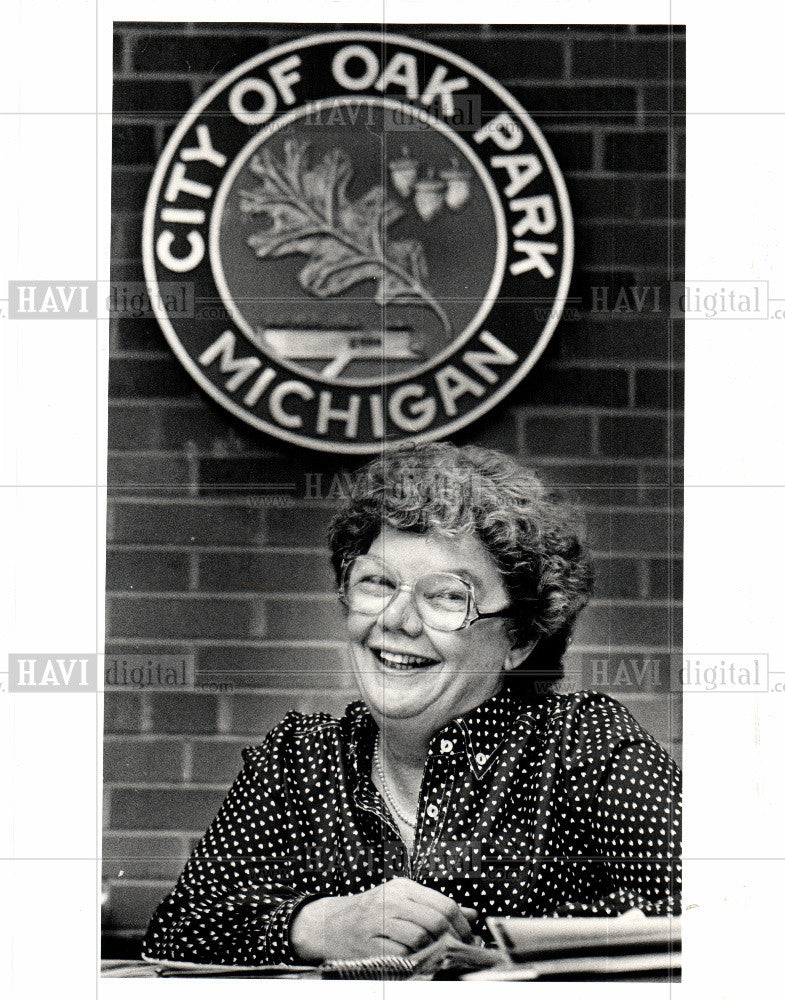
{"x":247,"y":876}
{"x":627,"y":791}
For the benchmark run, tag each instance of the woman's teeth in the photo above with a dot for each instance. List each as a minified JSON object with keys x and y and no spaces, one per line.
{"x":403,"y":661}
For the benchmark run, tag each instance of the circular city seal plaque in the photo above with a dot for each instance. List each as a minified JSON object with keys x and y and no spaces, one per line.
{"x":378,"y":238}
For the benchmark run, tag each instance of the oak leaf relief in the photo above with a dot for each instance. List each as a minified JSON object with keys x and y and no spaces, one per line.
{"x":307,"y":211}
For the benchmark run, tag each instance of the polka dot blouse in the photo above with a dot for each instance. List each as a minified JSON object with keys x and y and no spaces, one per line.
{"x":564,"y":807}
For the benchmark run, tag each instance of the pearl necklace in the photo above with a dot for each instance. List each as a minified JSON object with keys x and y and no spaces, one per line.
{"x":411,"y":823}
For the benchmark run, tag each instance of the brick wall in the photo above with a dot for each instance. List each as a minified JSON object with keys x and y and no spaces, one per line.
{"x":201,"y":563}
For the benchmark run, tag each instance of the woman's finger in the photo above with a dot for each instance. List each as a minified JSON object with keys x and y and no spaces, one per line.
{"x":445,"y":906}
{"x":408,"y":930}
{"x":380,"y":945}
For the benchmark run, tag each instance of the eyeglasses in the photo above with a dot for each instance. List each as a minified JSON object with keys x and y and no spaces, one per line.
{"x":444,"y":601}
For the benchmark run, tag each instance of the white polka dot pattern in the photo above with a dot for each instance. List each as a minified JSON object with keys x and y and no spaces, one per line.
{"x":565,"y":807}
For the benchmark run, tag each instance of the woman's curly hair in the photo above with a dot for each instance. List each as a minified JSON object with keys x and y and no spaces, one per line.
{"x":531,"y":535}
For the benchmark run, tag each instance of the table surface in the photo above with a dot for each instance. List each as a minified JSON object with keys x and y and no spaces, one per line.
{"x":137,"y":969}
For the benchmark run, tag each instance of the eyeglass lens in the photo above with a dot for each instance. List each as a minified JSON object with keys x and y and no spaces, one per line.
{"x":442,"y":599}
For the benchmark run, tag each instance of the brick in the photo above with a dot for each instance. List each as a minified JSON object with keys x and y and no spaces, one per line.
{"x":117,"y":652}
{"x":213,"y":54}
{"x":217,"y":762}
{"x":183,"y":712}
{"x":617,"y":578}
{"x":122,"y":712}
{"x":607,"y":624}
{"x":187,"y":524}
{"x":588,"y":476}
{"x":590,"y":486}
{"x":143,"y":761}
{"x":619,"y":59}
{"x":635,"y":437}
{"x":302,"y":527}
{"x":125,"y":236}
{"x":167,"y":98}
{"x":126,"y":471}
{"x":186,"y":618}
{"x":584,"y":104}
{"x":646,"y":152}
{"x":573,"y":150}
{"x":131,"y":906}
{"x":513,"y":58}
{"x":117,"y":52}
{"x":669,"y":99}
{"x":266,"y":571}
{"x":558,"y":435}
{"x":198,"y":424}
{"x":133,"y":144}
{"x":677,"y":541}
{"x":253,"y":716}
{"x":614,"y":531}
{"x":665,"y":578}
{"x":154,"y":378}
{"x":304,"y":620}
{"x":676,"y":435}
{"x":605,"y":387}
{"x":669,"y":475}
{"x":629,"y":245}
{"x":605,"y":198}
{"x":662,"y":198}
{"x":183,"y":809}
{"x":129,"y":190}
{"x":658,"y":492}
{"x":281,"y":666}
{"x":496,"y":430}
{"x":135,"y":335}
{"x":623,"y":338}
{"x":680,"y":152}
{"x":144,"y":857}
{"x":127,"y":270}
{"x":146,"y":571}
{"x":671,"y":30}
{"x":133,"y":428}
{"x":659,"y":389}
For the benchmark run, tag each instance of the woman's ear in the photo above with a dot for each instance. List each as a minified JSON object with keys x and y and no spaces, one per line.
{"x":518,"y":655}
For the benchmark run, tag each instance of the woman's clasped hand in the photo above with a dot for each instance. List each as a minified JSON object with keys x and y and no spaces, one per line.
{"x":395,"y":918}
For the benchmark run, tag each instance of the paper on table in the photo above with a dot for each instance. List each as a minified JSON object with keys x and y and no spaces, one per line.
{"x":523,"y":937}
{"x":608,"y":965}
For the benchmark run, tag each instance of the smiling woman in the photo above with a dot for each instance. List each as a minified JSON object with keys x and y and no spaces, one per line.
{"x":462,"y":785}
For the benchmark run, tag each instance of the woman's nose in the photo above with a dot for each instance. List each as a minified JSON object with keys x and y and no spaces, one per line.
{"x":401,"y":613}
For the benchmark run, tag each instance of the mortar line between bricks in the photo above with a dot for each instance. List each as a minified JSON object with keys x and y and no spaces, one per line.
{"x":187,"y":761}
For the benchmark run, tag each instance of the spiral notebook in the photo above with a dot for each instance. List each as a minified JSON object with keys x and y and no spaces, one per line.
{"x":443,"y":955}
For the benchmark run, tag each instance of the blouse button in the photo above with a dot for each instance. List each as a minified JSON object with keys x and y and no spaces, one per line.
{"x":432,"y":811}
{"x":446,"y":746}
{"x":481,"y":759}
